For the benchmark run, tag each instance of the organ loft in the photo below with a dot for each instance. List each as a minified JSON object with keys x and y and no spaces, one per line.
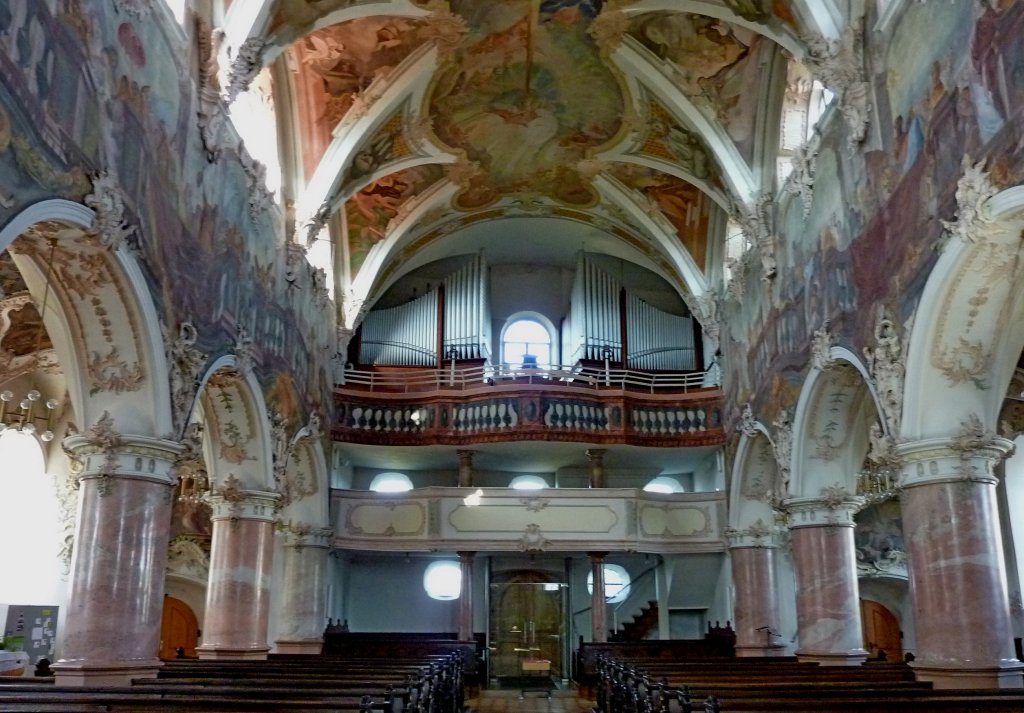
{"x":532,"y":340}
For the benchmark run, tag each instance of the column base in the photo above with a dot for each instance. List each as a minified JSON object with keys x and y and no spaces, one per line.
{"x":1007,"y":674}
{"x":226,"y":653}
{"x":305,"y":646}
{"x":834,"y":658}
{"x":113,"y":673}
{"x":761,"y":651}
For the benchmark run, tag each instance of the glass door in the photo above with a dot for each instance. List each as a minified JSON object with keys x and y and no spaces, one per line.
{"x":527,"y":625}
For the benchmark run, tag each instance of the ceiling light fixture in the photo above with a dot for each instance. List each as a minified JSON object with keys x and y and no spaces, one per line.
{"x":24,"y":417}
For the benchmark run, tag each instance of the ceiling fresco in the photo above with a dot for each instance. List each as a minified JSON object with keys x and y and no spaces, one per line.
{"x":530,"y":103}
{"x":526,"y":96}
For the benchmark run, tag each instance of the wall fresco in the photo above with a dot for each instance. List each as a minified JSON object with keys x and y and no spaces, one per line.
{"x":193,"y":218}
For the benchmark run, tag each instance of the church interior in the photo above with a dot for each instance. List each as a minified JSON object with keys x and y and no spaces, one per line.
{"x":540,"y":324}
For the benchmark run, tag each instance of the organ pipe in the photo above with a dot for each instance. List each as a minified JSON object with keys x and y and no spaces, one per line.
{"x":466,"y":317}
{"x":405,"y":335}
{"x":658,"y":340}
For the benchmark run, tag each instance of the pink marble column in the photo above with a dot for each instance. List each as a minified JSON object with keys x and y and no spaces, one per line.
{"x":827,"y":600}
{"x":595,"y":457}
{"x":956,"y":564}
{"x":303,"y":614}
{"x":598,"y":603}
{"x":112,"y":630}
{"x":465,"y":468}
{"x":466,"y":597}
{"x":756,"y":611}
{"x":238,"y":593}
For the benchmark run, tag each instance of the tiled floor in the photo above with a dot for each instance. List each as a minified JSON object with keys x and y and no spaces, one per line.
{"x":495,"y":701}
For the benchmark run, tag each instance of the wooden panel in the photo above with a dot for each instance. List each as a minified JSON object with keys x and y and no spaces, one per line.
{"x":881,"y":630}
{"x":178,"y":628}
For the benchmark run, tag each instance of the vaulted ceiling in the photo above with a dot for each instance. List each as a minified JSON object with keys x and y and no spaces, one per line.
{"x":410,"y":122}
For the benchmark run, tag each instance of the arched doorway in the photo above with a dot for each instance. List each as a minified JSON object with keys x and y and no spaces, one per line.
{"x":527,"y":623}
{"x":179,"y":628}
{"x":881,"y":631}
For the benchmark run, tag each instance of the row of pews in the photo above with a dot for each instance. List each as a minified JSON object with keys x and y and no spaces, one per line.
{"x":781,"y":684}
{"x":346,"y":684}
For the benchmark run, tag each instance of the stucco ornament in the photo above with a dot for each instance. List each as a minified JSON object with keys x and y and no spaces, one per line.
{"x":748,"y":425}
{"x":260,"y":197}
{"x":187,"y":555}
{"x":705,"y":308}
{"x":107,"y":440}
{"x":533,"y":539}
{"x":245,"y":352}
{"x":315,"y":223}
{"x":758,"y":225}
{"x":800,"y":181}
{"x":834,"y":495}
{"x":133,"y":8}
{"x":279,"y":442}
{"x":608,"y":29}
{"x":186,"y":363}
{"x":109,"y":224}
{"x":973,"y":190}
{"x":751,"y":10}
{"x":886,"y":364}
{"x":211,"y":114}
{"x":782,"y":445}
{"x":247,"y":63}
{"x":839,"y":65}
{"x":882,"y":451}
{"x":821,"y":347}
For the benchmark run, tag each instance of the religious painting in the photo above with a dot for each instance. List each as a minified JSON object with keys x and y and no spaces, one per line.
{"x":685,"y":206}
{"x":526,"y":97}
{"x":668,"y":141}
{"x":369,"y":211}
{"x":337,"y":63}
{"x":878,"y":538}
{"x":715,"y":65}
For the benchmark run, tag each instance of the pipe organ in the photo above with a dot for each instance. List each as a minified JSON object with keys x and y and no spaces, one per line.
{"x":657,"y":339}
{"x":401,"y":336}
{"x":595,"y":325}
{"x":467,"y":315}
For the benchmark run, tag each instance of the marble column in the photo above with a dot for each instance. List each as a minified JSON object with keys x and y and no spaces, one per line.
{"x":598,"y":603}
{"x":956,"y":564}
{"x":304,"y":590}
{"x":595,"y":457}
{"x":118,"y":568}
{"x":238,"y":593}
{"x":466,"y":596}
{"x":752,"y":552}
{"x":465,"y":468}
{"x":827,"y":600}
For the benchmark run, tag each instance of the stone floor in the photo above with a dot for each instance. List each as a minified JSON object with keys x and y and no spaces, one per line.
{"x":497,"y":701}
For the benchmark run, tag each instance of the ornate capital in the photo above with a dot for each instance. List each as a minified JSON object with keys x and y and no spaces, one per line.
{"x":109,"y":224}
{"x":973,"y":191}
{"x":967,"y":457}
{"x":759,"y":534}
{"x":835,"y":508}
{"x":244,"y":67}
{"x":839,"y":65}
{"x":104,"y":454}
{"x":887,"y":368}
{"x":230,"y":501}
{"x":302,"y":534}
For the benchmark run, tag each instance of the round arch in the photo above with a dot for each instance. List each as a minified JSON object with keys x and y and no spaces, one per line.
{"x":967,"y":335}
{"x":237,"y":430}
{"x":95,"y":291}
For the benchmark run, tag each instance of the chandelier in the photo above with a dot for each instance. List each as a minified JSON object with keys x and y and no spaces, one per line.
{"x":28,"y":411}
{"x":877,"y":483}
{"x":193,"y":484}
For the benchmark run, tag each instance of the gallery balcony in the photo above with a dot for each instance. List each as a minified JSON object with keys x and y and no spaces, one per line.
{"x":479,"y":404}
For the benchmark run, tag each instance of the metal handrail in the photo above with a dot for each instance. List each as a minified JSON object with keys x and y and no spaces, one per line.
{"x":475,"y":376}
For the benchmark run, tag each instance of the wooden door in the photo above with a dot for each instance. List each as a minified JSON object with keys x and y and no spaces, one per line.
{"x":881,"y":630}
{"x":179,"y":628}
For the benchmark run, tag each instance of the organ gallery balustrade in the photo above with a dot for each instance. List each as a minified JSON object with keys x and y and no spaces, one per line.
{"x":467,"y":406}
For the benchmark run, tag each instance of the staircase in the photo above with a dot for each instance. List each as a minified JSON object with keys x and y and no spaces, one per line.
{"x":641,"y":625}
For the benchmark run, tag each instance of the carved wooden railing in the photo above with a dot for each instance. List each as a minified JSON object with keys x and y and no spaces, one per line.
{"x":535,"y":410}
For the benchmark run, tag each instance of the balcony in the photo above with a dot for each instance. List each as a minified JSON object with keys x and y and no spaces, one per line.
{"x":507,"y":520}
{"x":461,"y":406}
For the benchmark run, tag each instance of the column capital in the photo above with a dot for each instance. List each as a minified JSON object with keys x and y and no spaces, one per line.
{"x":302,"y":534}
{"x":102,"y":453}
{"x":757,"y":535}
{"x":962,"y":458}
{"x":835,"y":508}
{"x":232,"y":502}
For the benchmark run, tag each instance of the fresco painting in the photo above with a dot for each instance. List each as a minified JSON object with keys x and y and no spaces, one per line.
{"x":509,"y":102}
{"x":370,"y":210}
{"x":715,"y":65}
{"x":186,"y":243}
{"x":878,"y":537}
